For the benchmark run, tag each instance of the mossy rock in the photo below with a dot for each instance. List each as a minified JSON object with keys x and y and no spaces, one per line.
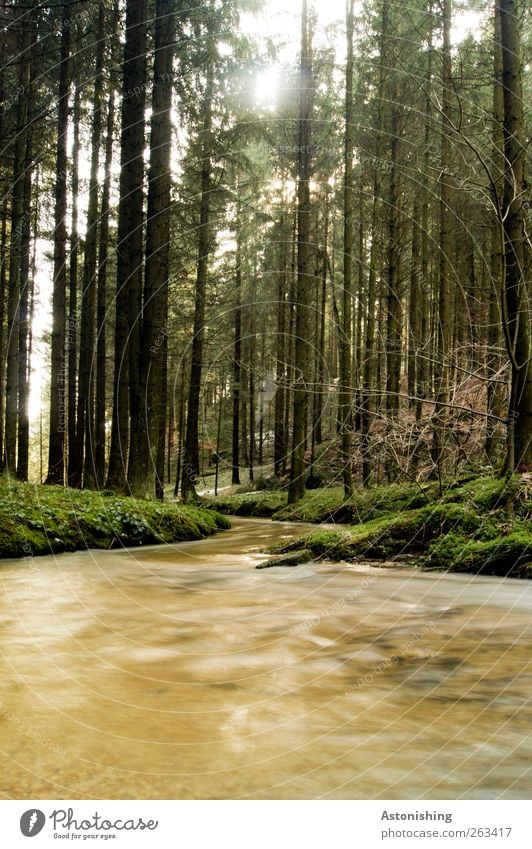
{"x":505,"y":556}
{"x":294,"y":559}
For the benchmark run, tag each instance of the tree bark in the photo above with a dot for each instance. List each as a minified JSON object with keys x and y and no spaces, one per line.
{"x":130,"y":240}
{"x":302,"y":354}
{"x":58,"y":424}
{"x":191,"y":463}
{"x":516,"y":284}
{"x":444,"y":326}
{"x":103,"y":257}
{"x":72,"y":320}
{"x":346,"y":389}
{"x":146,"y":476}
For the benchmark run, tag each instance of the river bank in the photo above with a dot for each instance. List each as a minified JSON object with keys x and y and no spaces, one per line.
{"x":38,"y":520}
{"x":476,"y":526}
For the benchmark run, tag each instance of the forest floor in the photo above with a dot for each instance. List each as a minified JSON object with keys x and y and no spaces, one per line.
{"x":38,"y":520}
{"x":477,"y":525}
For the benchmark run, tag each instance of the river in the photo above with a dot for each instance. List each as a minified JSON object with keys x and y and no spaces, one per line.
{"x":182,"y":672}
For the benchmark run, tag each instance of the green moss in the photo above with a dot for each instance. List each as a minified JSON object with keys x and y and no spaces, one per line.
{"x":38,"y":520}
{"x":447,"y":534}
{"x":293,"y":559}
{"x":489,"y":493}
{"x":508,"y":556}
{"x":254,"y":504}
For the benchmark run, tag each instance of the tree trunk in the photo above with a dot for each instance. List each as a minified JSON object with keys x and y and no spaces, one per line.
{"x":393,"y":291}
{"x":56,"y":450}
{"x":130,"y":238}
{"x":73,"y":478}
{"x":346,"y":389}
{"x":84,"y":453}
{"x":516,"y":284}
{"x":26,"y":285}
{"x":147,"y":449}
{"x":101,"y":306}
{"x":279,"y":445}
{"x":302,"y":357}
{"x":191,"y":458}
{"x":444,"y":327}
{"x":237,"y":352}
{"x":369,"y":372}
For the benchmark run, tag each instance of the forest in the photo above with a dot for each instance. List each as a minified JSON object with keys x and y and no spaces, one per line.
{"x":266,"y":411}
{"x":292,"y":256}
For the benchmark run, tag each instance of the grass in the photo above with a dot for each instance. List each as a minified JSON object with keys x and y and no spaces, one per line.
{"x":38,"y":520}
{"x":478,"y":526}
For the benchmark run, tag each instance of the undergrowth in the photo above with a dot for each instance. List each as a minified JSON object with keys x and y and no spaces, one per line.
{"x":43,"y":519}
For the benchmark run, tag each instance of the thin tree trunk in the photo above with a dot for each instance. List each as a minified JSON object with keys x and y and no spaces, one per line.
{"x":516,"y":285}
{"x":191,"y":458}
{"x":346,"y":390}
{"x":23,"y":421}
{"x":84,"y":454}
{"x":302,"y":357}
{"x":19,"y":229}
{"x":279,"y":447}
{"x":101,"y":306}
{"x":369,"y":379}
{"x":56,"y":450}
{"x":442,"y":360}
{"x":130,"y":237}
{"x":237,"y":353}
{"x":393,"y":291}
{"x":72,"y":321}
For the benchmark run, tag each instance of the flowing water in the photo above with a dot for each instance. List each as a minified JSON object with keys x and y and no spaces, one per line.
{"x":183,"y":672}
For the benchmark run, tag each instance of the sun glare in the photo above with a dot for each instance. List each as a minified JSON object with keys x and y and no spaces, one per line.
{"x":267,"y":86}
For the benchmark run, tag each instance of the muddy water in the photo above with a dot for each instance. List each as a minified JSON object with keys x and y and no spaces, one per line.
{"x":183,"y":672}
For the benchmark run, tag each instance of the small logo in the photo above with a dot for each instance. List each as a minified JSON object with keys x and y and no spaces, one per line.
{"x":32,"y":822}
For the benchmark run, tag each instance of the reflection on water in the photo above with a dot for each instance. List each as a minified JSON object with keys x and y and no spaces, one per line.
{"x":183,"y":672}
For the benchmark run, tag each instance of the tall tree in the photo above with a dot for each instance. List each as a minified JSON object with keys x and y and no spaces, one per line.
{"x":346,"y":389}
{"x":130,"y":239}
{"x":103,"y":270}
{"x":516,"y":285}
{"x":444,"y":324}
{"x":303,"y":295}
{"x":191,"y":462}
{"x":146,"y":467}
{"x":82,"y":466}
{"x":56,"y":451}
{"x":19,"y":243}
{"x":72,"y":320}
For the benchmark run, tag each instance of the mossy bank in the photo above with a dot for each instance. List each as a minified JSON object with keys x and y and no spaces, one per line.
{"x":37,"y":520}
{"x":481,"y":525}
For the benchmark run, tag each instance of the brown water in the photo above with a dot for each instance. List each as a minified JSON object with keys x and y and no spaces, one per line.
{"x":183,"y":672}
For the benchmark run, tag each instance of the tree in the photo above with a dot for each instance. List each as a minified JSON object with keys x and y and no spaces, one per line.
{"x":56,"y":451}
{"x":302,"y":358}
{"x":441,"y":368}
{"x":191,"y":463}
{"x":346,"y":391}
{"x":130,"y":242}
{"x":516,"y":265}
{"x":146,"y":465}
